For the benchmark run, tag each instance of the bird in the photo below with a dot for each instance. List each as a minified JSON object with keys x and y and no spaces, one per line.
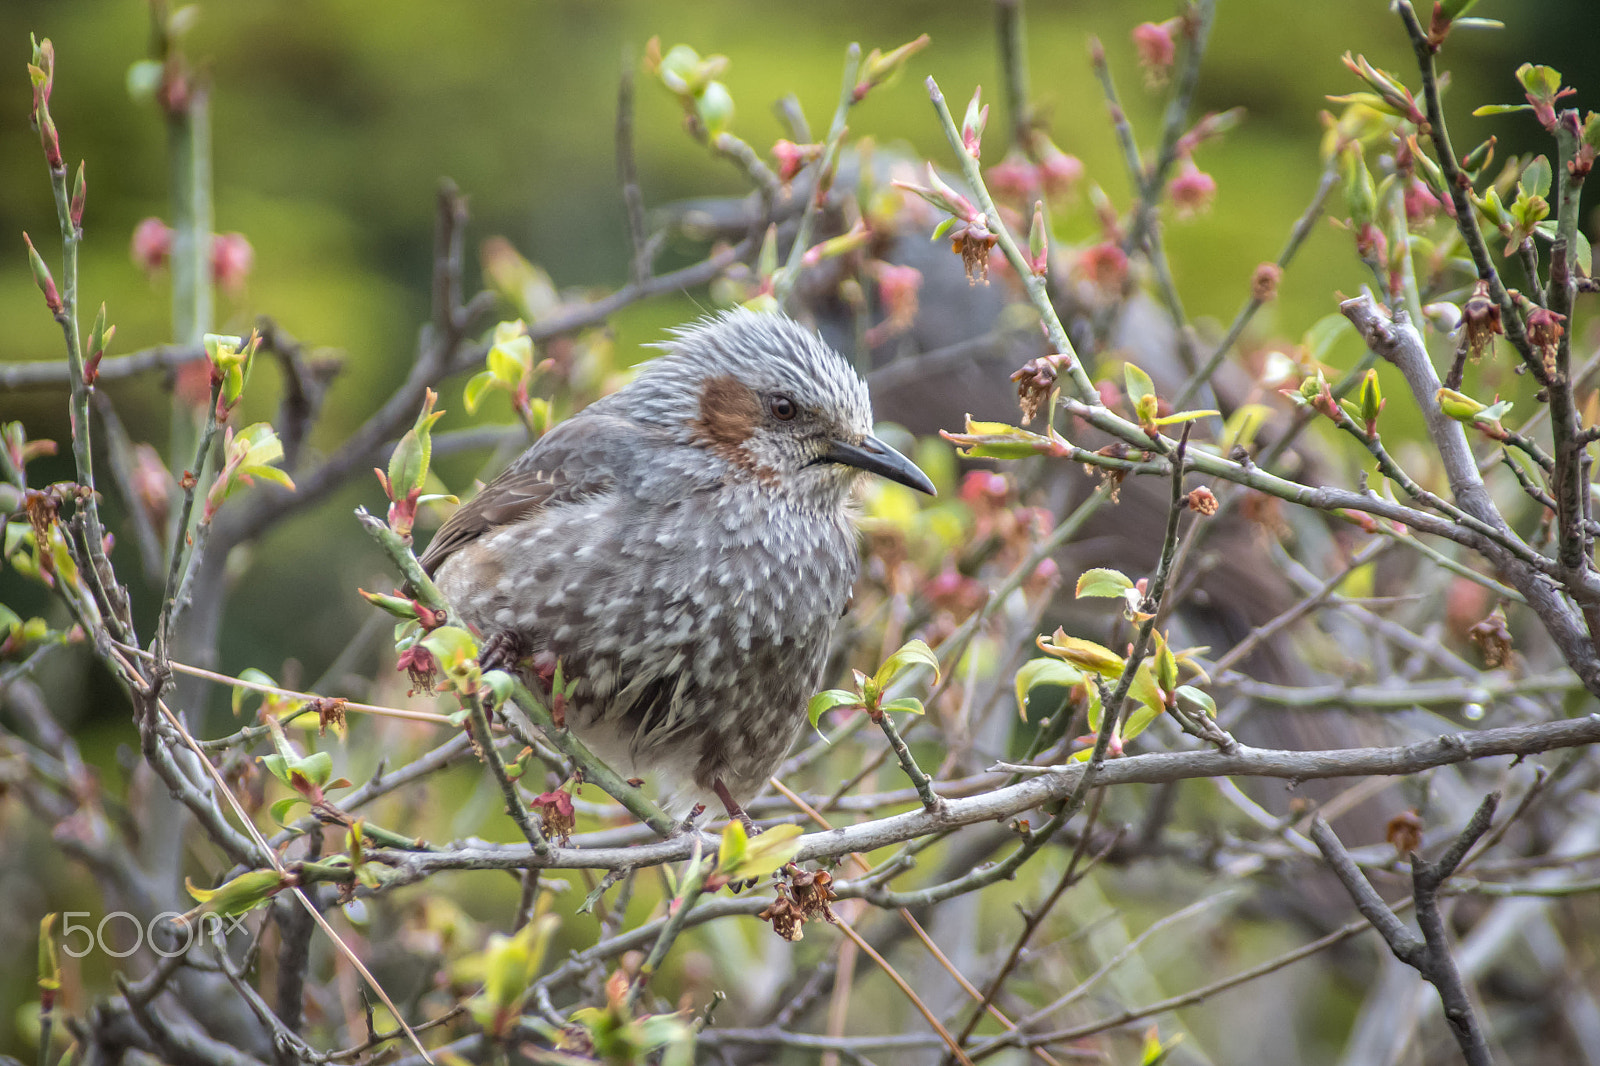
{"x":683,"y":548}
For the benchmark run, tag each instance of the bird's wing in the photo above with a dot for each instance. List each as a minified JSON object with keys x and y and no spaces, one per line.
{"x":573,"y":462}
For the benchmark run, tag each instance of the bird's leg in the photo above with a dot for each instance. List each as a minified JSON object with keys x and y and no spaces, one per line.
{"x":733,"y":808}
{"x":730,"y":805}
{"x":502,"y":650}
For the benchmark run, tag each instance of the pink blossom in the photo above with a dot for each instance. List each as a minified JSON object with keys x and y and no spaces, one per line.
{"x":1105,"y":264}
{"x":1192,"y":190}
{"x":1421,"y":204}
{"x":152,"y":245}
{"x":231,"y":260}
{"x":1013,"y":178}
{"x":1059,"y":170}
{"x":1156,"y":47}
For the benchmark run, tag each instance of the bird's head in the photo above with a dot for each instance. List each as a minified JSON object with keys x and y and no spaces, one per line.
{"x":768,"y":397}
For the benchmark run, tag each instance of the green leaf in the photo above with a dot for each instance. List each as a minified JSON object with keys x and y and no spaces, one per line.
{"x":398,"y":606}
{"x":408,"y":466}
{"x":251,"y":674}
{"x":478,"y":386}
{"x":742,"y":856}
{"x":1499,"y":109}
{"x":243,"y":893}
{"x":1037,"y":672}
{"x":1536,"y":176}
{"x":1585,"y":255}
{"x":912,"y":653}
{"x":1195,"y":701}
{"x":1103,"y":582}
{"x":1371,"y":397}
{"x":1457,"y":405}
{"x":1166,"y":667}
{"x":1138,"y":383}
{"x":1454,"y":9}
{"x":1183,"y":416}
{"x":1085,"y":654}
{"x":1540,"y":81}
{"x":823,"y":702}
{"x":905,"y":704}
{"x":279,"y":811}
{"x":1138,"y":721}
{"x":1494,"y":412}
{"x":510,"y":963}
{"x":1145,"y":690}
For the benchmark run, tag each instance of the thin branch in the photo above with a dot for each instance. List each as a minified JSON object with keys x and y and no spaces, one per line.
{"x":784,"y":285}
{"x":628,"y":175}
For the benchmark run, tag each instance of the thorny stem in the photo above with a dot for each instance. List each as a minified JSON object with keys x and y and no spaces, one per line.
{"x":1570,"y":483}
{"x":98,"y":566}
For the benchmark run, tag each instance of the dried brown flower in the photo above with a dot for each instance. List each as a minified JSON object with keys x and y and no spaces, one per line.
{"x":1481,"y":318}
{"x":787,"y":916}
{"x":1264,"y":282}
{"x":1202,"y":501}
{"x":1034,"y":381}
{"x":1493,"y":639}
{"x":1404,"y":832}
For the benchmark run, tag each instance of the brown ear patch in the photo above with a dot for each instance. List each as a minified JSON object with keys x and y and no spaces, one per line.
{"x":730,"y":411}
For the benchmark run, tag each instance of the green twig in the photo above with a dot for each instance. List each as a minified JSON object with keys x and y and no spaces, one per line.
{"x":931,"y":801}
{"x":784,"y":285}
{"x":497,"y":767}
{"x":1038,"y":293}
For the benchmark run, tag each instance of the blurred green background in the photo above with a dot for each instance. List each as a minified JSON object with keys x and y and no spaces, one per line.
{"x":334,"y":121}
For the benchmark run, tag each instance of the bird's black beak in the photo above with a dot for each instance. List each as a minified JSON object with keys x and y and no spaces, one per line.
{"x":877,"y":457}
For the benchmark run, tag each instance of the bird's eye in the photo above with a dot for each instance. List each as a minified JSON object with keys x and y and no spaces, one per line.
{"x":782,"y":408}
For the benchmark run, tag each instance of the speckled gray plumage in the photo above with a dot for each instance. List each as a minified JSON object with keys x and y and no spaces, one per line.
{"x":681,"y":551}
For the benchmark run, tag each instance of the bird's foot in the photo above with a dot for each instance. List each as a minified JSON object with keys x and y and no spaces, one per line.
{"x":731,"y":805}
{"x":502,"y":650}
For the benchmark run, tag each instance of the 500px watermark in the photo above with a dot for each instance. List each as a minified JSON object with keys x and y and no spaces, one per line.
{"x":168,"y":934}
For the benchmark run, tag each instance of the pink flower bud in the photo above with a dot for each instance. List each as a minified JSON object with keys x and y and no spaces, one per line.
{"x":152,"y":245}
{"x":1059,"y":170}
{"x":1014,"y":178}
{"x":897,"y":289}
{"x":791,"y":157}
{"x":1105,"y":265}
{"x":984,"y":486}
{"x":1421,"y":204}
{"x":1192,"y":190}
{"x":231,"y":260}
{"x":1157,"y":48}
